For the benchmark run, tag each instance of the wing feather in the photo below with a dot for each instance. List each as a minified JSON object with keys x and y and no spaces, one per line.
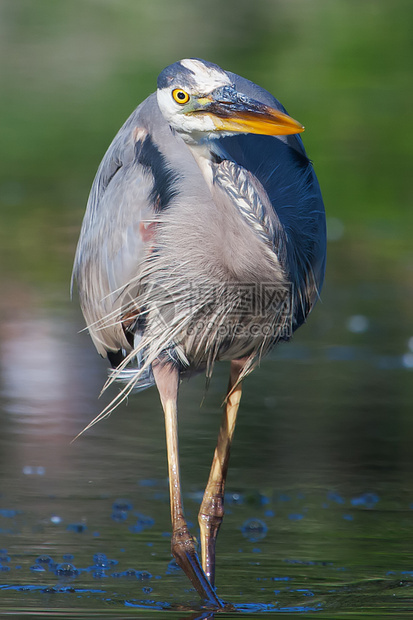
{"x":111,"y":247}
{"x":298,"y":203}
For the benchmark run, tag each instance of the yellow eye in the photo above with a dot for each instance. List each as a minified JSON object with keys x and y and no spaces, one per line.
{"x":180,"y":96}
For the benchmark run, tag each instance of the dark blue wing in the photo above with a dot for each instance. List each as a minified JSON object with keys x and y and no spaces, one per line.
{"x":292,"y":187}
{"x":284,"y":170}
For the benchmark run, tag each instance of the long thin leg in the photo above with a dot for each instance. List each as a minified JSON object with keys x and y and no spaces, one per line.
{"x":183,"y":547}
{"x":212,"y":508}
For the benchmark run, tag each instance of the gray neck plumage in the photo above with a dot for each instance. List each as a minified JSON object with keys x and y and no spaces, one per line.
{"x":244,"y":190}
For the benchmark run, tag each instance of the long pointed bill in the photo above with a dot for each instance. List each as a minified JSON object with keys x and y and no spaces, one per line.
{"x":268,"y":121}
{"x":233,"y":112}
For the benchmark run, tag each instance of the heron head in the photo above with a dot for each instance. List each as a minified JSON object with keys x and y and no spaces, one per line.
{"x":199,"y":100}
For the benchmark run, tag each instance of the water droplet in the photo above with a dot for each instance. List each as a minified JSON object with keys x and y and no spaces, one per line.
{"x":44,"y":559}
{"x":407,"y":360}
{"x":66,"y":570}
{"x":335,"y":497}
{"x":122,"y":504}
{"x":254,"y":529}
{"x":358,"y":324}
{"x":55,"y":519}
{"x":366,"y":499}
{"x":143,"y":522}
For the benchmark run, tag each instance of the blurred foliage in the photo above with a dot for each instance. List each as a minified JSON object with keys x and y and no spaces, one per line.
{"x":71,"y":72}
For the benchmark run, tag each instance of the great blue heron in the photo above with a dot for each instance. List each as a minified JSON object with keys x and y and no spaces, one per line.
{"x":203,"y":240}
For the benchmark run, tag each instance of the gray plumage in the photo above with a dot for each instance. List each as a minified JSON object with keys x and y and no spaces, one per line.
{"x":179,"y":226}
{"x":203,"y":240}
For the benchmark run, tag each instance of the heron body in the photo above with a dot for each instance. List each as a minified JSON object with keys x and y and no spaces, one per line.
{"x":203,"y":240}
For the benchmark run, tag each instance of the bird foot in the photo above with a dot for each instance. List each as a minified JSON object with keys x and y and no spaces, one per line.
{"x":183,"y":550}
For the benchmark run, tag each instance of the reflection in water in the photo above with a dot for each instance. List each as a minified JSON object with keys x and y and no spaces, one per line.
{"x":42,"y":372}
{"x":319,"y":506}
{"x":319,"y":502}
{"x":41,"y":384}
{"x":43,"y":393}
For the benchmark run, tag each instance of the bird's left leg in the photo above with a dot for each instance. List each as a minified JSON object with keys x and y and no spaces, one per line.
{"x":183,"y":546}
{"x":211,"y":512}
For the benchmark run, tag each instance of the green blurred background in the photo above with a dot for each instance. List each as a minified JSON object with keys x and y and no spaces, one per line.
{"x":71,"y":72}
{"x":332,"y":409}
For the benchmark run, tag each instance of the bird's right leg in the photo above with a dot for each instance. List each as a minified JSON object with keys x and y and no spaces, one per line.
{"x":211,"y":512}
{"x":183,"y":546}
